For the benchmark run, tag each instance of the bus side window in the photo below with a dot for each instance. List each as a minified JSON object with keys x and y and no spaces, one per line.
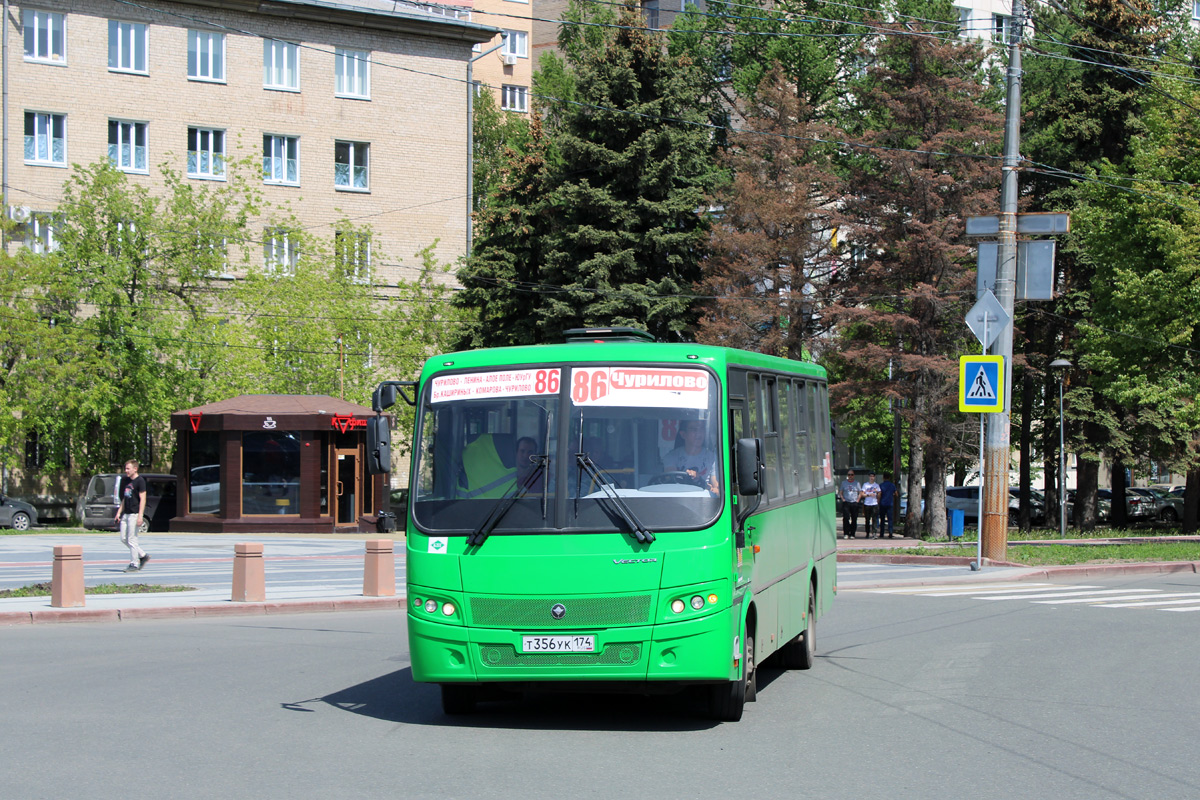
{"x":804,"y":473}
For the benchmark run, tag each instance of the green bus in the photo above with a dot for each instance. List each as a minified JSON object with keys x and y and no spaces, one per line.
{"x":614,"y":514}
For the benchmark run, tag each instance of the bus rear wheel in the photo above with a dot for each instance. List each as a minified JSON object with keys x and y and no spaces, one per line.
{"x":801,"y":652}
{"x":459,"y":698}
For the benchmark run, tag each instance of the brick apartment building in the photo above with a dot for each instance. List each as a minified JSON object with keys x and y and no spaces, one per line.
{"x":358,"y":109}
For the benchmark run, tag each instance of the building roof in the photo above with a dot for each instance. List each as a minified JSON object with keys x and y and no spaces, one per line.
{"x":279,"y":404}
{"x":396,"y":16}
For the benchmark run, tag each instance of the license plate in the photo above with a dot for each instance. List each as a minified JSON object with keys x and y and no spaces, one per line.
{"x":558,"y":644}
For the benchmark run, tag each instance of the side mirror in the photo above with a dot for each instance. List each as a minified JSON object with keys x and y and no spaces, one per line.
{"x":749,"y":466}
{"x":384,"y":397}
{"x":379,"y":444}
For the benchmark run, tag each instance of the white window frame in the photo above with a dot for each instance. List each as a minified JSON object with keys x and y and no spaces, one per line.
{"x":214,"y":148}
{"x":125,"y":155}
{"x":1002,"y":28}
{"x":44,"y":124}
{"x":281,"y":252}
{"x":278,"y":150}
{"x":276,"y":57}
{"x":514,"y":98}
{"x":39,"y":232}
{"x":352,"y":73}
{"x":37,"y":25}
{"x":358,"y":162}
{"x":206,"y":56}
{"x":1196,"y":9}
{"x":131,"y":46}
{"x":353,"y":250}
{"x":516,"y":43}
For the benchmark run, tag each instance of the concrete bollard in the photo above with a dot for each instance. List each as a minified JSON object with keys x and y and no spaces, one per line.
{"x":249,"y":577}
{"x":379,"y":569}
{"x":67,"y":588}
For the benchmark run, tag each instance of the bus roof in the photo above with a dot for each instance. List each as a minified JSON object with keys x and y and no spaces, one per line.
{"x":619,"y":351}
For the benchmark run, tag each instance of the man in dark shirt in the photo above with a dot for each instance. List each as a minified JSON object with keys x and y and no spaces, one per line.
{"x":887,"y":508}
{"x":131,"y":510}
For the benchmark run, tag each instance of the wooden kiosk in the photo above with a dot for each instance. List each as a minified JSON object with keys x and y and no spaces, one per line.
{"x":279,"y":463}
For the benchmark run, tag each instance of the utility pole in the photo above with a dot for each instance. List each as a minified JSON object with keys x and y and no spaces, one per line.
{"x":994,"y":527}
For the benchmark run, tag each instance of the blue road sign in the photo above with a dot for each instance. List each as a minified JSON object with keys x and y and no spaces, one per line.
{"x":981,"y":384}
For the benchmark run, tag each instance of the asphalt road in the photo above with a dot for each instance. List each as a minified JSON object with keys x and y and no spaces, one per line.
{"x":915,"y":695}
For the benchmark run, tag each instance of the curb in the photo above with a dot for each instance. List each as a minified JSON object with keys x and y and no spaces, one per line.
{"x":230,"y":609}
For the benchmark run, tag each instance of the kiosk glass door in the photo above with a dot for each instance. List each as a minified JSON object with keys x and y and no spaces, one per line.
{"x":348,"y":489}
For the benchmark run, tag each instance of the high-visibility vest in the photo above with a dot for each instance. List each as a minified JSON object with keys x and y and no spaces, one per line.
{"x":487,"y":476}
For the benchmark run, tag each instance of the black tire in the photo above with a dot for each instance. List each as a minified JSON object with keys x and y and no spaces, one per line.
{"x":459,"y":698}
{"x":1169,"y":514}
{"x":20,"y":521}
{"x":144,"y":527}
{"x":801,"y":652}
{"x":727,"y":700}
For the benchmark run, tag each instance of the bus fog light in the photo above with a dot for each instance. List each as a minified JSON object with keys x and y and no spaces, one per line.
{"x":418,"y":602}
{"x":431,"y":605}
{"x":697,"y":602}
{"x":677,"y":606}
{"x":448,"y":609}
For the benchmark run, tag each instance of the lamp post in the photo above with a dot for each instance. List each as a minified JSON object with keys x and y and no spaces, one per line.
{"x":1061,"y":365}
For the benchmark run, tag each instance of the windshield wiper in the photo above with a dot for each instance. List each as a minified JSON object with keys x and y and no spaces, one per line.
{"x":505,"y":503}
{"x":640,"y":531}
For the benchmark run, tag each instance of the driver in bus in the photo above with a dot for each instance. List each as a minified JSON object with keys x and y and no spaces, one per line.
{"x":693,"y":457}
{"x":526,"y":463}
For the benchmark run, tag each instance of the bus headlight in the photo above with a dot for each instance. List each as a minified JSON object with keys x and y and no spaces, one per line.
{"x":677,"y":606}
{"x":431,"y":605}
{"x":697,"y":602}
{"x":448,"y":609}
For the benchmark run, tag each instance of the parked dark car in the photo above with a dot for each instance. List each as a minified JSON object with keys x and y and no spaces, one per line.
{"x":17,"y":514}
{"x":966,"y":499}
{"x":100,"y":502}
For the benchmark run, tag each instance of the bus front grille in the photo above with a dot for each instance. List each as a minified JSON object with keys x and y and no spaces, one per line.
{"x":505,"y":655}
{"x":577,"y":612}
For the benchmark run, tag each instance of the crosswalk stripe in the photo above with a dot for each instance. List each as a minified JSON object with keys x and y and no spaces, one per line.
{"x":1097,"y":600}
{"x":1189,"y":608}
{"x":1041,"y":595}
{"x":951,"y":587}
{"x":1192,"y":598}
{"x":1043,"y":590}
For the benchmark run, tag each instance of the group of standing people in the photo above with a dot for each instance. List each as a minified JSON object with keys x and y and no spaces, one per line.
{"x":875,"y":500}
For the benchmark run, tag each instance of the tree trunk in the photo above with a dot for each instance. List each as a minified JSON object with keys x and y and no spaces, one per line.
{"x":1050,"y":462}
{"x":1191,"y":500}
{"x":1025,"y":518}
{"x":935,"y":487}
{"x":916,"y":475}
{"x":1085,"y":494}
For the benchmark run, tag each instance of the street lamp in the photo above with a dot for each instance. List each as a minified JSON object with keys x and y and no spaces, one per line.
{"x":1061,"y":365}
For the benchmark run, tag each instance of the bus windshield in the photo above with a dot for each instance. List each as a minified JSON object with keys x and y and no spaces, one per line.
{"x":569,"y":449}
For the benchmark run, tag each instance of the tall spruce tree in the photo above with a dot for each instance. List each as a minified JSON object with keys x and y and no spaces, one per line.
{"x":917,"y":173}
{"x":618,"y":234}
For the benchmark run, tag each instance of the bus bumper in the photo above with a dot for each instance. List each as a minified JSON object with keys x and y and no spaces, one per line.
{"x":695,"y":650}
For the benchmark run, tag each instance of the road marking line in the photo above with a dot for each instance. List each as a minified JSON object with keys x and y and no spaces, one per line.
{"x":1090,"y":592}
{"x":1192,"y":598}
{"x":953,"y":587}
{"x":1143,"y":596}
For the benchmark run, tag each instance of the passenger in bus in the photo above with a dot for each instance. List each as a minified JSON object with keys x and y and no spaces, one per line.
{"x":527,"y":448}
{"x":693,"y":457}
{"x":484,"y":473}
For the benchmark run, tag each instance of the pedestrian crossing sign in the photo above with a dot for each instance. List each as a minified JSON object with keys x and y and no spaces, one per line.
{"x":981,"y":384}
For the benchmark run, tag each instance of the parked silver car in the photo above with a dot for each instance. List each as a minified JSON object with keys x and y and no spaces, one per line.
{"x":1170,"y":507}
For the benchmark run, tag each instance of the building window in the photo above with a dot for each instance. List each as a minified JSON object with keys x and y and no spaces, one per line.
{"x":45,"y":35}
{"x":350,"y":162}
{"x":353,"y":252}
{"x":39,"y":232}
{"x":1196,"y":9}
{"x":206,"y":56}
{"x":127,"y":145}
{"x":206,"y":153}
{"x":516,"y":43}
{"x":650,"y":10}
{"x":514,"y":98}
{"x":281,"y":65}
{"x":964,"y":22}
{"x":127,"y":45}
{"x":1001,"y":28}
{"x":353,"y":73}
{"x":281,"y":251}
{"x":45,"y":138}
{"x":281,"y":159}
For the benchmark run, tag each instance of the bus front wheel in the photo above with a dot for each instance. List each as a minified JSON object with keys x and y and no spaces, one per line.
{"x":459,"y":698}
{"x":728,"y":699}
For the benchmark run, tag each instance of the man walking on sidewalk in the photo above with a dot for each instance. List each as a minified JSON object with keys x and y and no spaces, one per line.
{"x":870,"y":496}
{"x":887,"y":498}
{"x":130,"y":512}
{"x":848,"y":491}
